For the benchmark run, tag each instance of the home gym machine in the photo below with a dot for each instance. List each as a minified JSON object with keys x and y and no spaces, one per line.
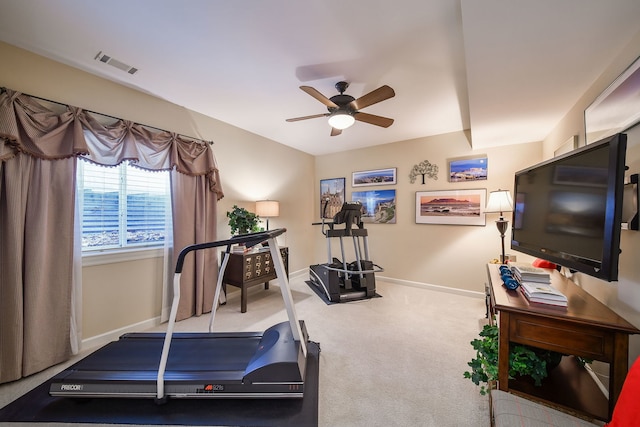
{"x":269,"y":364}
{"x":338,"y":280}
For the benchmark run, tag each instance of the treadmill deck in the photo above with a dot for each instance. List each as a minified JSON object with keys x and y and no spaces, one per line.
{"x":200,"y":365}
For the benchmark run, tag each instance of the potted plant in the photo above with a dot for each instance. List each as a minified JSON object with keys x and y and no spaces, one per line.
{"x":242,"y":221}
{"x":523,"y":360}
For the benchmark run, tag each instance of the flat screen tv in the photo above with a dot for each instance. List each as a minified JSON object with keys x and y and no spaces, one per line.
{"x":568,"y":209}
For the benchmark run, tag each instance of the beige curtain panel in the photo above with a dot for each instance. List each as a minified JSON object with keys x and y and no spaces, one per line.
{"x":38,"y":154}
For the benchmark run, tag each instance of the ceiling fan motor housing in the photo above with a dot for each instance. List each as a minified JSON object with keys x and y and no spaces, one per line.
{"x":342,"y":101}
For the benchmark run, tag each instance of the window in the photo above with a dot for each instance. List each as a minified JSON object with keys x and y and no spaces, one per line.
{"x":122,"y":206}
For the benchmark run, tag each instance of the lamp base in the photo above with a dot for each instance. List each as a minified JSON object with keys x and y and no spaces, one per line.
{"x":501,"y":224}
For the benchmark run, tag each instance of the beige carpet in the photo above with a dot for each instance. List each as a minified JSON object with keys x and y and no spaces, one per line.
{"x":391,"y":361}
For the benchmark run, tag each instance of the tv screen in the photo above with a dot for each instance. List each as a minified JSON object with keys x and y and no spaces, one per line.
{"x":568,"y":209}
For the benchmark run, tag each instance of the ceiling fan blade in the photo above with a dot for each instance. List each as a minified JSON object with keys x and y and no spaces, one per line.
{"x":384,"y":122}
{"x":335,"y":132}
{"x":320,"y":97}
{"x":373,"y":97}
{"x":315,"y":116}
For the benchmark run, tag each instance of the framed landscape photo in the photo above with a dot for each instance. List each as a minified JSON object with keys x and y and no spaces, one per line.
{"x":378,"y":206}
{"x":454,"y":207}
{"x":468,"y":169}
{"x":373,"y":177}
{"x":332,"y":196}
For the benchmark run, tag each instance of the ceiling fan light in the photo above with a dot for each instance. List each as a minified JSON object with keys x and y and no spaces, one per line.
{"x":341,"y":120}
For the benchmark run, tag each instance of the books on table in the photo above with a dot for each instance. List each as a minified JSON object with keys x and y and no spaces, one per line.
{"x":543,"y":293}
{"x":535,"y":285}
{"x":527,"y":273}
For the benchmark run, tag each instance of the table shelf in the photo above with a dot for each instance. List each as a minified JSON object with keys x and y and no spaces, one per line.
{"x":568,"y":387}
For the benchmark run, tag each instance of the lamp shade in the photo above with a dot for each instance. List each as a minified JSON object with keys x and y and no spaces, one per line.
{"x":267,"y":208}
{"x":499,"y":201}
{"x":341,"y":120}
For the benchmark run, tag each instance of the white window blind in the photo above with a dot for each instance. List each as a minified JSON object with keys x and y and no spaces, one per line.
{"x":122,"y":206}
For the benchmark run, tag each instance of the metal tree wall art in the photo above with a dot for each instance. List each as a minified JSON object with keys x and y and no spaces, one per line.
{"x":424,"y":168}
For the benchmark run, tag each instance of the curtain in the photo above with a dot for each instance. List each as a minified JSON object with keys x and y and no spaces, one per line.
{"x":38,"y":154}
{"x":194,"y":221}
{"x":37,"y":182}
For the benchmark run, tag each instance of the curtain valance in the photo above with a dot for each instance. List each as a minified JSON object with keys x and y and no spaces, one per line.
{"x":28,"y":126}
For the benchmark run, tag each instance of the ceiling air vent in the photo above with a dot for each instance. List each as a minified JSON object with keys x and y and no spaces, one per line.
{"x":115,"y":63}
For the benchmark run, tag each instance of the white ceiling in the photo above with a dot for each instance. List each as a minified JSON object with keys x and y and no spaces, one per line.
{"x":508,"y":70}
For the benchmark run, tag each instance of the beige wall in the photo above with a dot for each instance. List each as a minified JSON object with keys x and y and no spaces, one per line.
{"x":443,"y":255}
{"x":118,"y":295}
{"x":622,"y":296}
{"x":121,"y":294}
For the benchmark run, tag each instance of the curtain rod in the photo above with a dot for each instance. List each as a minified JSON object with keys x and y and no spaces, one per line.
{"x":3,"y":89}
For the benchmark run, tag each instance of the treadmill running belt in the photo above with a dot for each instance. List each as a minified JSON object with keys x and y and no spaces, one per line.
{"x":186,"y":354}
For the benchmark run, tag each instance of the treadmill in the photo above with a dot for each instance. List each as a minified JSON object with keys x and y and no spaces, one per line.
{"x":199,"y":365}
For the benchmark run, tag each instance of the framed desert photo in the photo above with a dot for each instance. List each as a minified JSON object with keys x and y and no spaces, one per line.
{"x":373,"y":177}
{"x":378,"y":206}
{"x":331,"y":196}
{"x":456,"y":207}
{"x":468,"y":169}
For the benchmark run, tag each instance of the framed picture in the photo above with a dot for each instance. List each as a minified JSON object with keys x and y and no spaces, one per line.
{"x":332,"y":196}
{"x":568,"y":146}
{"x":468,"y":169}
{"x":456,"y":207}
{"x":617,"y":108}
{"x":378,"y":206}
{"x":373,"y":177}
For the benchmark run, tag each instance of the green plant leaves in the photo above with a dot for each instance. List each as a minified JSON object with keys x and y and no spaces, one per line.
{"x":523,"y":360}
{"x":242,"y":221}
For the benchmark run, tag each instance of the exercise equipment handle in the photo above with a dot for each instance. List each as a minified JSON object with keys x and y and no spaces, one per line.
{"x":249,"y":240}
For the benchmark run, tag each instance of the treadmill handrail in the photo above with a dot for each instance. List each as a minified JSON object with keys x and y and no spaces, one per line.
{"x":249,"y":240}
{"x":252,"y":239}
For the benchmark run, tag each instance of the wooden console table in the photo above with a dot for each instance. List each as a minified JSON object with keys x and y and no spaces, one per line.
{"x":586,"y":328}
{"x":249,"y":269}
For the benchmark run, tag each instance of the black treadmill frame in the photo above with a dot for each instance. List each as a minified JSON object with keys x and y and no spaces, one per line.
{"x":290,"y":345}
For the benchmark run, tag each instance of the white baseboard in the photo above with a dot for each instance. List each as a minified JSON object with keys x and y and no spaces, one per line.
{"x":299,"y":273}
{"x":107,"y":337}
{"x":457,"y":291}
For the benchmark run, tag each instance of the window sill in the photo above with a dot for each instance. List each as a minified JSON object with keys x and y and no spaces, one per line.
{"x":119,"y":255}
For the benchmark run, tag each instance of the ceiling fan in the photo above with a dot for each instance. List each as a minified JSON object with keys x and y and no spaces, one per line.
{"x":344,"y":110}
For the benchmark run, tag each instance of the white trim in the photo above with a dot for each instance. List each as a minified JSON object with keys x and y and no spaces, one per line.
{"x":298,"y":273}
{"x":473,"y":294}
{"x":120,"y":255}
{"x":107,"y":337}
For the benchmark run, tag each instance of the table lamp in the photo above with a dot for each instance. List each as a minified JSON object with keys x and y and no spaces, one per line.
{"x":267,"y":209}
{"x":500,"y":201}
